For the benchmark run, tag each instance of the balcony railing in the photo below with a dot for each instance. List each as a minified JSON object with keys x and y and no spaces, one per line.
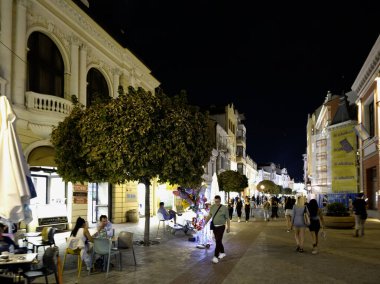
{"x":47,"y":103}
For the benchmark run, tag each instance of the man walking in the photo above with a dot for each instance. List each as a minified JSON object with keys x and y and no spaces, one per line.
{"x":359,"y":206}
{"x":219,"y":216}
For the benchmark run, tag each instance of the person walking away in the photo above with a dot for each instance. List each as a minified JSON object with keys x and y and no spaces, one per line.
{"x":239,"y":207}
{"x":298,"y":222}
{"x":274,"y":208}
{"x":288,"y":213}
{"x":230,"y":207}
{"x":359,"y":206}
{"x":252,"y":204}
{"x":316,"y":223}
{"x":266,"y":207}
{"x":247,"y":208}
{"x":220,"y":217}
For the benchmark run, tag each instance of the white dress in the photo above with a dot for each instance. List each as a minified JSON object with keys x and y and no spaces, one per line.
{"x":79,"y":242}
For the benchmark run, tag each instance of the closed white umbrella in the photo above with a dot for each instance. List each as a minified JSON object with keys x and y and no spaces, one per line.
{"x":16,"y":187}
{"x":215,"y":189}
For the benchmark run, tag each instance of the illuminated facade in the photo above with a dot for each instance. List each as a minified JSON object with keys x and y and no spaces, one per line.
{"x":367,"y":86}
{"x":51,"y":50}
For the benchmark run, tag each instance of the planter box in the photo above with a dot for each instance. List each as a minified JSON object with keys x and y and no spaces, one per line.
{"x":339,"y":222}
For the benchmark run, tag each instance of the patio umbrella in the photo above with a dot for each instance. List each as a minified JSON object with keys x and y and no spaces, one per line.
{"x":16,"y":187}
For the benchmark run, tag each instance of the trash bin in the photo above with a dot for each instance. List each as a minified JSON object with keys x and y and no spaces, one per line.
{"x":133,"y":216}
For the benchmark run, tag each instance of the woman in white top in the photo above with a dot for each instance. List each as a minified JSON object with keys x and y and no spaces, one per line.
{"x":79,"y":239}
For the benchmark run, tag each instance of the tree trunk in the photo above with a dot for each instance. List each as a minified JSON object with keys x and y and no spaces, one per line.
{"x":147,"y":211}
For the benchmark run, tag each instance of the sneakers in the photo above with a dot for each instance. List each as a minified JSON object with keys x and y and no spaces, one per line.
{"x":238,"y":220}
{"x":288,"y":231}
{"x":221,"y":255}
{"x":246,"y":221}
{"x":314,"y":251}
{"x":215,"y":259}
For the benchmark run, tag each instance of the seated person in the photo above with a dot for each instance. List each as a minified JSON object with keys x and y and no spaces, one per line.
{"x":104,"y":228}
{"x":6,"y":243}
{"x":168,"y":214}
{"x":79,"y":239}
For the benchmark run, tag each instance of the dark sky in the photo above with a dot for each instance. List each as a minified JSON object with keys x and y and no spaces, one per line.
{"x":274,"y":61}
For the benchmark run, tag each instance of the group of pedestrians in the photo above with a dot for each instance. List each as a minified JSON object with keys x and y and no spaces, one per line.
{"x":238,"y":205}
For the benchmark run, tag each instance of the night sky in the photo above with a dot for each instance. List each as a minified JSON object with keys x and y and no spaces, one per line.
{"x":274,"y":62}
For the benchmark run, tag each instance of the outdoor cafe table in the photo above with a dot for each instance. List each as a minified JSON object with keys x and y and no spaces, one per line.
{"x":17,"y":260}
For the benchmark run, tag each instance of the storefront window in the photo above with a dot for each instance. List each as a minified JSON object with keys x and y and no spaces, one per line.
{"x":57,"y":190}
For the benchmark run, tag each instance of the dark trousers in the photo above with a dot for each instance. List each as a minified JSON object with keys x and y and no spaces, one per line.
{"x":218,"y":233}
{"x":238,"y":211}
{"x":230,"y":212}
{"x":247,"y":211}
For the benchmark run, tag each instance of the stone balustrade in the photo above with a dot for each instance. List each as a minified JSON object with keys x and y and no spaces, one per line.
{"x":47,"y":104}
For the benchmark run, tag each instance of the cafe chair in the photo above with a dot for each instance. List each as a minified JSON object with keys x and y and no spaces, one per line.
{"x":77,"y":253}
{"x":162,"y":220}
{"x":125,"y":243}
{"x":49,"y":267}
{"x":47,"y":239}
{"x":103,"y":247}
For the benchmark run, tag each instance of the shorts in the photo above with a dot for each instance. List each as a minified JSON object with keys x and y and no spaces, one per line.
{"x":288,"y":212}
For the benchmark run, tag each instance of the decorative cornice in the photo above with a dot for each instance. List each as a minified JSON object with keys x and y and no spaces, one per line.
{"x":370,"y":67}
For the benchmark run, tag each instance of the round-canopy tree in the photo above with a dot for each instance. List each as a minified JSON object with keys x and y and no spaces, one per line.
{"x":268,"y":186}
{"x":232,"y":181}
{"x":139,"y":136}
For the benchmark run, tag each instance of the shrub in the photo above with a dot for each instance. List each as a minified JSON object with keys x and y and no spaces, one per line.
{"x":337,"y":209}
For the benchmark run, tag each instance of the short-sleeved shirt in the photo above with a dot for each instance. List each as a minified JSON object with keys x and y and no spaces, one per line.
{"x":221,"y":216}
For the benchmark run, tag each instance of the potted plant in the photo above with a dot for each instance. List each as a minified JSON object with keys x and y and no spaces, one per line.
{"x":338,"y":216}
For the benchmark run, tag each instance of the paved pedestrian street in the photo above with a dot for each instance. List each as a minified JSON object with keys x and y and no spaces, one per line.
{"x":257,"y":252}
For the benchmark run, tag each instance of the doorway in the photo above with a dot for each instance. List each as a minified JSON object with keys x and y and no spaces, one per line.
{"x":372,"y":187}
{"x":98,"y":201}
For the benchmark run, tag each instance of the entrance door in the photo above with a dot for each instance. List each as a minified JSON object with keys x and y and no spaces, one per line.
{"x":372,"y":187}
{"x":98,"y":196}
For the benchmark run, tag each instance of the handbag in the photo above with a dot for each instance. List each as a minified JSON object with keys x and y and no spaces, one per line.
{"x":306,"y":217}
{"x":212,"y":226}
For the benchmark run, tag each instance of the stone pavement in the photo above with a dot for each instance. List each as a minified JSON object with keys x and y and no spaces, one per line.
{"x":257,"y":252}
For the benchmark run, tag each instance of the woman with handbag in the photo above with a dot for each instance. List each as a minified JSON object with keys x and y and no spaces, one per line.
{"x":298,"y":222}
{"x":316,"y":223}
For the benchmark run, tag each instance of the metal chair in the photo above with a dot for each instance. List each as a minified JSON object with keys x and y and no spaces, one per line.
{"x":47,"y":239}
{"x":77,"y":253}
{"x":49,"y":267}
{"x":103,"y":247}
{"x":125,"y":243}
{"x":161,"y":218}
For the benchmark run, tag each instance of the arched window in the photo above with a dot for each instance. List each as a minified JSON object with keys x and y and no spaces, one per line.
{"x":97,"y":89}
{"x":45,"y":66}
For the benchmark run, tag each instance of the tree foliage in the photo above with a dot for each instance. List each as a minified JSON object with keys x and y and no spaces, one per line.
{"x":135,"y":137}
{"x":268,"y":186}
{"x":287,"y":190}
{"x":67,"y":141}
{"x":232,"y":181}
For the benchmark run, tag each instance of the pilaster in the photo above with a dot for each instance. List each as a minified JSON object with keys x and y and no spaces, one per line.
{"x":82,"y":74}
{"x":6,"y":46}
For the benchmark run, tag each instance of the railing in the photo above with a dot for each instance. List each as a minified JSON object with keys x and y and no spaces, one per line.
{"x":47,"y":103}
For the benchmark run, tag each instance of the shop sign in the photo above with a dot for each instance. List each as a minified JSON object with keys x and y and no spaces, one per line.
{"x":80,"y":197}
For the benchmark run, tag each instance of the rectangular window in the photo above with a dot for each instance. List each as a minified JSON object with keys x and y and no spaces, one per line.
{"x":371,"y":114}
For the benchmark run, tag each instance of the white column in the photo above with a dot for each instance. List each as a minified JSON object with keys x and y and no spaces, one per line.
{"x":116,"y":82}
{"x":82,"y":74}
{"x":19,"y":58}
{"x":74,"y":76}
{"x":6,"y":45}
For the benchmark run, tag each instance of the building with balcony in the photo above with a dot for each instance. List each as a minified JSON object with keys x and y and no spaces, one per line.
{"x":367,"y":86}
{"x":51,"y":50}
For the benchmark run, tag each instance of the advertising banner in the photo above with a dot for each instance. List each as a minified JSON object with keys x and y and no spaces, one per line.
{"x":343,"y":159}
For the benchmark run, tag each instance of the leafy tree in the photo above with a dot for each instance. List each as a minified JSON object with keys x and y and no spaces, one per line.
{"x":68,"y":146}
{"x":268,"y":186}
{"x":287,"y":190}
{"x":232,"y":181}
{"x":139,"y":136}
